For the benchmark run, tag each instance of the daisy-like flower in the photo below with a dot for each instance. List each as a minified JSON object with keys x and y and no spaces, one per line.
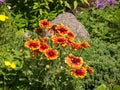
{"x":79,"y":72}
{"x":89,"y":69}
{"x":43,"y":47}
{"x":70,"y":42}
{"x":76,"y":45}
{"x":61,"y":29}
{"x":12,"y":65}
{"x":33,"y":44}
{"x":7,"y":63}
{"x":3,"y":17}
{"x":59,"y":40}
{"x":52,"y":29}
{"x":71,"y":35}
{"x":45,"y":24}
{"x":43,"y":39}
{"x":84,"y":45}
{"x":73,"y":61}
{"x":51,"y":54}
{"x":38,"y":30}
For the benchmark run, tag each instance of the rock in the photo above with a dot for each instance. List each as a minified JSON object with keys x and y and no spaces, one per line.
{"x":75,"y":26}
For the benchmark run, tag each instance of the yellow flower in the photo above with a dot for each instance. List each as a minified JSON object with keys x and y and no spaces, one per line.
{"x":12,"y":65}
{"x":7,"y":63}
{"x":3,"y":17}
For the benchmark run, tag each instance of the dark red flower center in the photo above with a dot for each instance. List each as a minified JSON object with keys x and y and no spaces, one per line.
{"x":44,"y":46}
{"x":32,"y":44}
{"x":51,"y":53}
{"x":75,"y":60}
{"x":45,"y":23}
{"x":61,"y":40}
{"x":79,"y":71}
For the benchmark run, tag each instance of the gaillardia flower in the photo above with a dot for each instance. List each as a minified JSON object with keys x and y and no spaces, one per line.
{"x":61,"y":29}
{"x":59,"y":40}
{"x":73,"y":61}
{"x":45,"y":24}
{"x":43,"y":47}
{"x":3,"y":17}
{"x":79,"y":72}
{"x":84,"y":45}
{"x":33,"y":44}
{"x":51,"y":54}
{"x":43,"y":39}
{"x":89,"y":69}
{"x":71,"y":35}
{"x":76,"y":45}
{"x":38,"y":30}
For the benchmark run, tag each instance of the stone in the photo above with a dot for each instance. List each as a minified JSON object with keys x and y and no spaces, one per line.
{"x":75,"y":26}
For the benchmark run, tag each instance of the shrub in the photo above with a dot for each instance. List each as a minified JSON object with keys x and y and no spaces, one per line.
{"x":101,"y":24}
{"x":34,"y":10}
{"x":104,"y":58}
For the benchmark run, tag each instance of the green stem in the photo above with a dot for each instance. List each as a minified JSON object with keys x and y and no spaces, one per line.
{"x":81,"y":51}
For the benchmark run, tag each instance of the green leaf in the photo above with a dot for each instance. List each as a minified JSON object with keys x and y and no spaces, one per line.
{"x":67,"y":4}
{"x":101,"y":87}
{"x":86,"y":1}
{"x":50,"y":0}
{"x":19,"y":33}
{"x":116,"y":87}
{"x":75,"y":3}
{"x":36,"y":5}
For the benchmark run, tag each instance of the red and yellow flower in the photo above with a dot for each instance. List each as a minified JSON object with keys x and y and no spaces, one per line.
{"x":43,"y":39}
{"x":32,"y":44}
{"x":43,"y":47}
{"x":70,"y":35}
{"x":59,"y":40}
{"x":73,"y":61}
{"x":38,"y":30}
{"x":45,"y":24}
{"x":79,"y":72}
{"x":51,"y":54}
{"x":76,"y":45}
{"x":84,"y":45}
{"x":89,"y":69}
{"x":61,"y":29}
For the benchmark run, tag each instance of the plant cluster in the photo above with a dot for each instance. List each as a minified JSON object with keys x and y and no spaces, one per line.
{"x":49,"y":9}
{"x":105,"y":61}
{"x":102,"y":23}
{"x":56,"y":51}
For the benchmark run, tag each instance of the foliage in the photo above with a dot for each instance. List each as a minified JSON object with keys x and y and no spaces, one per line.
{"x":104,"y":58}
{"x":42,"y":9}
{"x":103,"y":87}
{"x":102,"y":23}
{"x":10,"y":49}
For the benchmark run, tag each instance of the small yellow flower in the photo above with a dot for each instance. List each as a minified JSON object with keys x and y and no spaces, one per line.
{"x":3,"y":17}
{"x":7,"y":63}
{"x":12,"y":65}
